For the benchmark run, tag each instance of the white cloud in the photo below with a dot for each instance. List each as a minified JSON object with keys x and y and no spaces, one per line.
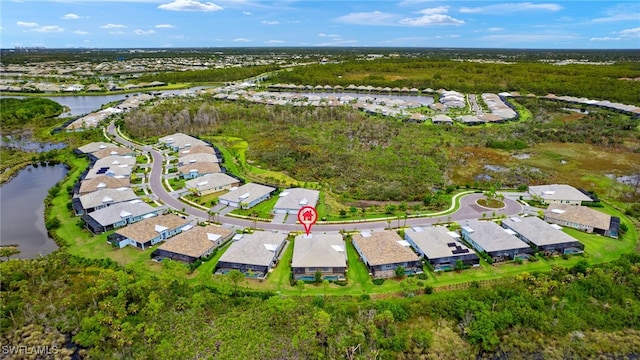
{"x":435,"y":19}
{"x":435,"y":10}
{"x":247,"y":13}
{"x":630,"y":33}
{"x":164,"y":26}
{"x":241,"y":40}
{"x":606,"y":38}
{"x":495,"y":29}
{"x":48,"y":29}
{"x":113,"y":26}
{"x":274,"y":22}
{"x":190,"y":5}
{"x":498,"y":9}
{"x":71,"y":17}
{"x":274,"y":42}
{"x":142,"y":32}
{"x":116,"y":32}
{"x":618,"y":17}
{"x":367,"y":18}
{"x":80,"y":32}
{"x":27,"y":24}
{"x":329,"y":35}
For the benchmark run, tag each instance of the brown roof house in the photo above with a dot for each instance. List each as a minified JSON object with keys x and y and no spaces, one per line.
{"x":149,"y":232}
{"x":583,"y":218}
{"x":384,"y":251}
{"x":194,"y":170}
{"x":103,"y":182}
{"x":196,"y":243}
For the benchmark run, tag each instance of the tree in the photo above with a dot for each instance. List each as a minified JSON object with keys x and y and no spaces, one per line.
{"x":8,"y":251}
{"x":399,"y":271}
{"x":318,"y":277}
{"x":300,"y":286}
{"x":235,"y":277}
{"x":325,"y":286}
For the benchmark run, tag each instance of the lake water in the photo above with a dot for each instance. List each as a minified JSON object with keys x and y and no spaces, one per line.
{"x":22,"y":210}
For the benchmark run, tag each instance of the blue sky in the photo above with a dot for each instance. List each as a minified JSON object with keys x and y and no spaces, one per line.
{"x":256,"y":23}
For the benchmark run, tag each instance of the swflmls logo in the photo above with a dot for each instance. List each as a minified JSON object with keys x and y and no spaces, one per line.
{"x":29,"y":350}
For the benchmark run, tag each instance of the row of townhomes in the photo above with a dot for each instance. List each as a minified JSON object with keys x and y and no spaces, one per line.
{"x":106,"y":201}
{"x":384,"y":252}
{"x":104,"y":197}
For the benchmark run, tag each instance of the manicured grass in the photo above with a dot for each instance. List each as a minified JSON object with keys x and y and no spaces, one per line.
{"x":491,"y":203}
{"x":262,"y":210}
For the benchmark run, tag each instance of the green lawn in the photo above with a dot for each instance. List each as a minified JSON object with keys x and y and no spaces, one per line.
{"x":262,"y":210}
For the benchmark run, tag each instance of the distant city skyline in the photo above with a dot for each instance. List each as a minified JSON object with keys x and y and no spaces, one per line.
{"x":290,"y":23}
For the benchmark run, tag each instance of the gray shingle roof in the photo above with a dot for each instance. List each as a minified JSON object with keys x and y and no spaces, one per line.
{"x":211,"y":181}
{"x":95,"y":146}
{"x":249,"y":192}
{"x":558,"y":192}
{"x":180,"y":140}
{"x":319,"y":250}
{"x":538,"y":231}
{"x":251,"y":249}
{"x":107,"y":196}
{"x":103,"y":182}
{"x":296,"y":198}
{"x":491,"y":237}
{"x":435,"y":242}
{"x":116,"y":212}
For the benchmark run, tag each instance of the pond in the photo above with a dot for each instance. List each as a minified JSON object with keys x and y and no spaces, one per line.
{"x":22,"y":210}
{"x":25,"y":143}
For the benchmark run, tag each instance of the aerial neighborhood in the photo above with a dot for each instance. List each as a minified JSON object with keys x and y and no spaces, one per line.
{"x":108,"y":200}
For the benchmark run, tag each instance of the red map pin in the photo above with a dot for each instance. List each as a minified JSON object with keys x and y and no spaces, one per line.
{"x":307,"y":216}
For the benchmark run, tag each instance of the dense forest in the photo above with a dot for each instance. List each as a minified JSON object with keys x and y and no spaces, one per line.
{"x":20,"y":113}
{"x":374,"y":158}
{"x":211,"y":75}
{"x":594,"y":82}
{"x":101,"y":310}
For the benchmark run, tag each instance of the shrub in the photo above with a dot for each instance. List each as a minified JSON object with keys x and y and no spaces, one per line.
{"x":428,"y":289}
{"x":378,"y":281}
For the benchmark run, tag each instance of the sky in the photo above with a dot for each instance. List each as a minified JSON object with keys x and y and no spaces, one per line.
{"x":568,"y":24}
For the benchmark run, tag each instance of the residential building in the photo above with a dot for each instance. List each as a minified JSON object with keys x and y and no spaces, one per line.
{"x":257,"y":253}
{"x":323,"y":253}
{"x":441,"y":247}
{"x":103,"y":182}
{"x":197,"y":158}
{"x":488,"y":237}
{"x":111,"y":151}
{"x":198,"y":149}
{"x":119,"y":215}
{"x":102,"y":198}
{"x":180,"y":141}
{"x":558,"y":194}
{"x":247,"y":195}
{"x":290,"y":201}
{"x":112,"y":166}
{"x":543,"y":236}
{"x":93,"y":147}
{"x":384,"y":251}
{"x":583,"y":218}
{"x":149,"y":232}
{"x":194,"y":170}
{"x":195,"y":243}
{"x":211,"y":183}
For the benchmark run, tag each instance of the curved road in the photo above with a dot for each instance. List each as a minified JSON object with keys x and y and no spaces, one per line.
{"x":468,"y":208}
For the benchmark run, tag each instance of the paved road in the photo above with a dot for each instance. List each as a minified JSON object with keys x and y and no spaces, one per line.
{"x":468,"y":207}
